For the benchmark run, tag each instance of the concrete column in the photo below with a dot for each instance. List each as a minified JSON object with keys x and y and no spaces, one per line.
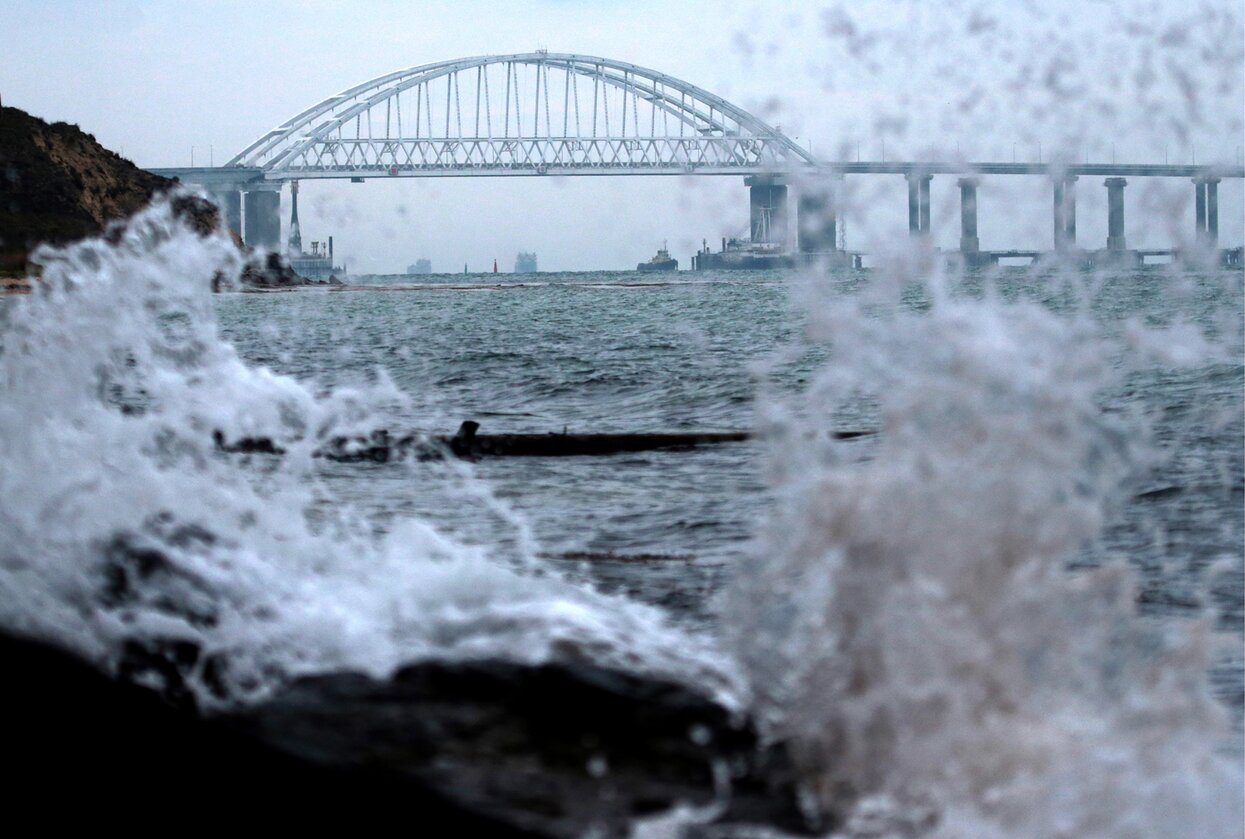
{"x":1061,"y":222}
{"x":969,"y":242}
{"x":816,"y":221}
{"x":263,"y":219}
{"x":925,"y":179}
{"x":1069,"y":210}
{"x":1115,"y":213}
{"x":914,"y":206}
{"x":918,"y":203}
{"x":230,"y":203}
{"x":1199,"y":204}
{"x":1065,"y":212}
{"x":1212,"y":212}
{"x":768,"y":208}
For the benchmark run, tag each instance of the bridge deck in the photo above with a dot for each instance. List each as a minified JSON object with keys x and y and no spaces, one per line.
{"x":225,"y":176}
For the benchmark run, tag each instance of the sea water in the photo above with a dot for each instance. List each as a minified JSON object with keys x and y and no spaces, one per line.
{"x":1014,"y":609}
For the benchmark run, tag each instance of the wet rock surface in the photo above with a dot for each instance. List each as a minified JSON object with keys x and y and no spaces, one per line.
{"x":83,"y":750}
{"x":565,"y":748}
{"x":270,"y":271}
{"x":560,"y":749}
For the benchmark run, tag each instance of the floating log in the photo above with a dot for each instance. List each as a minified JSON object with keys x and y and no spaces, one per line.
{"x":381,"y":446}
{"x":610,"y":556}
{"x":467,"y":443}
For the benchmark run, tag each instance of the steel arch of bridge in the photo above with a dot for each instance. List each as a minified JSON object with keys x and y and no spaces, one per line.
{"x":524,"y":114}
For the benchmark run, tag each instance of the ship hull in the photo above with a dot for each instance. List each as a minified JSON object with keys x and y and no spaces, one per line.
{"x":663,"y":265}
{"x":743,"y":260}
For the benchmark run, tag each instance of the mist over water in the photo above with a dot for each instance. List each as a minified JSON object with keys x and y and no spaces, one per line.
{"x":909,"y":617}
{"x":115,"y":378}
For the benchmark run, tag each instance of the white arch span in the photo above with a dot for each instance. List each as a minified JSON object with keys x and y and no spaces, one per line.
{"x":522,"y":114}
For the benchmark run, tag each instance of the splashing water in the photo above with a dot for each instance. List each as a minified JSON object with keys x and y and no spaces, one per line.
{"x":907,"y":622}
{"x":908,"y":619}
{"x":121,"y":524}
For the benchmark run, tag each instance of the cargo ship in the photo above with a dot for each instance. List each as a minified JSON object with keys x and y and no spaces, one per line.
{"x":663,"y":261}
{"x":742,"y":253}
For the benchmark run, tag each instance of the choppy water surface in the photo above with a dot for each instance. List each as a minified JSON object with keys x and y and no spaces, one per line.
{"x":941,"y":617}
{"x":623,"y":352}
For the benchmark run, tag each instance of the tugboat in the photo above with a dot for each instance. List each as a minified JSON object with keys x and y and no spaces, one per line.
{"x":663,"y":261}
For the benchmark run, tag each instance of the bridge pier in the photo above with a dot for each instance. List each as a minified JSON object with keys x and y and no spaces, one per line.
{"x":262,"y":221}
{"x":969,"y":243}
{"x":230,"y":203}
{"x":767,"y":201}
{"x":1065,"y":213}
{"x":1212,"y":212}
{"x":817,"y":229}
{"x":1206,"y":195}
{"x":918,"y":203}
{"x":1115,"y":213}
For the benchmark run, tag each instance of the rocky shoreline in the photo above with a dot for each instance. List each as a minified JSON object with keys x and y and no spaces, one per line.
{"x":59,"y":185}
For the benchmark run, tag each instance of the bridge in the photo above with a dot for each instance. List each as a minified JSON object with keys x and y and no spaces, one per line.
{"x":544,"y":114}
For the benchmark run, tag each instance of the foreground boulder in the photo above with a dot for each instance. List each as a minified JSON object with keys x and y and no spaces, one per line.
{"x":561,"y":749}
{"x":564,"y":748}
{"x":82,"y":750}
{"x":491,"y":749}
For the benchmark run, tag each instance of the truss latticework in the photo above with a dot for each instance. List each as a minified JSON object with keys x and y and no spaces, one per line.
{"x":525,"y":114}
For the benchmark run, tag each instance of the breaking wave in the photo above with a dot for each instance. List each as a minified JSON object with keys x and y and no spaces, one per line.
{"x":124,"y":533}
{"x":908,"y":616}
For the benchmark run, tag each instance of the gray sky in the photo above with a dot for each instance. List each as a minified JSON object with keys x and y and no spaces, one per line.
{"x":1139,"y":79}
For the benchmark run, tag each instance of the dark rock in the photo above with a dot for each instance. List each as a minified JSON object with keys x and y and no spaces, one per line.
{"x":270,"y":271}
{"x":246,"y":445}
{"x":138,"y":573}
{"x":490,"y":749}
{"x":84,"y":751}
{"x":559,"y":748}
{"x":479,"y":748}
{"x":482,"y":748}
